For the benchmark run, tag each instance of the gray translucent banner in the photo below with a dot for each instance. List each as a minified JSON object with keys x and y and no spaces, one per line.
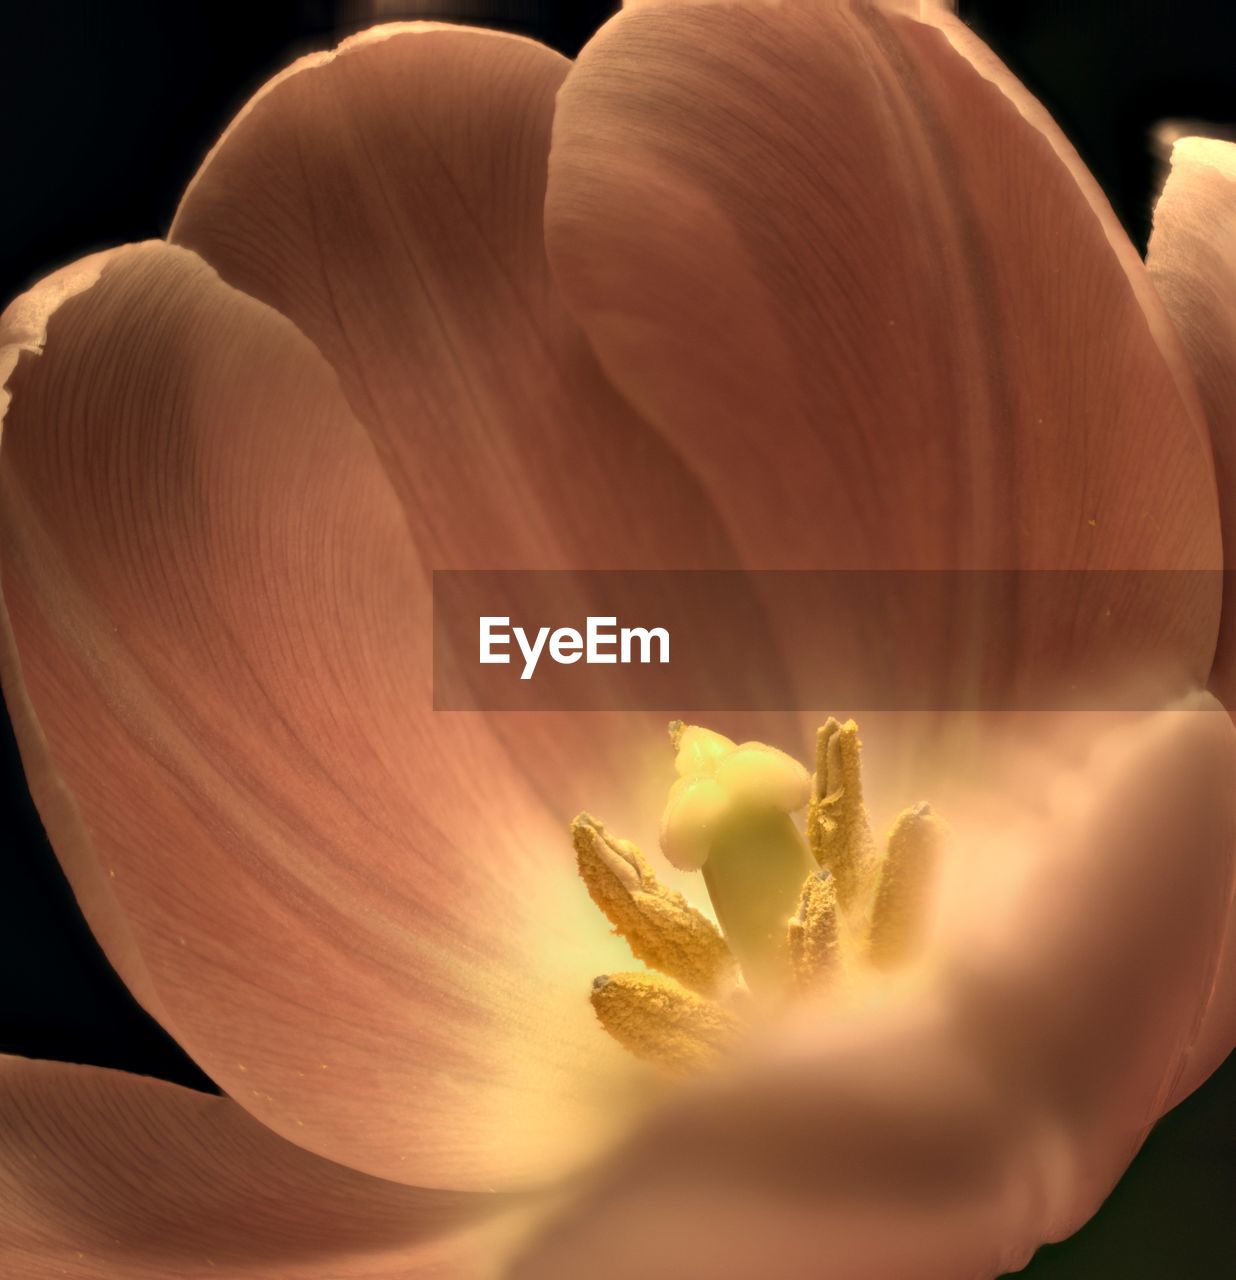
{"x":683,"y":640}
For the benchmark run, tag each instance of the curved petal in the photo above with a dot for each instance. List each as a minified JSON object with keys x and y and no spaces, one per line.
{"x":1192,"y":261}
{"x":1216,"y":1035}
{"x":853,"y":271}
{"x":108,"y":1176}
{"x":884,"y":1155}
{"x":989,"y":1107}
{"x":23,"y":330}
{"x":347,"y":908}
{"x":1121,"y":884}
{"x":387,"y":198}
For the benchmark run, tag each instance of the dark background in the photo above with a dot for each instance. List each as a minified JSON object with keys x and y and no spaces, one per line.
{"x":109,"y":105}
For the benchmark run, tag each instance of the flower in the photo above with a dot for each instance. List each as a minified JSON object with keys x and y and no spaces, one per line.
{"x":798,"y":284}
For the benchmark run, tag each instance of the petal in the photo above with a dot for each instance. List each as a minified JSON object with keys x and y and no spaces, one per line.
{"x":1216,"y":1032}
{"x":387,"y":198}
{"x":1120,"y":884}
{"x":1192,"y":261}
{"x":854,"y":272}
{"x":348,"y":909}
{"x":949,"y":1128}
{"x":22,"y":330}
{"x":885,"y":1154}
{"x":110,"y":1175}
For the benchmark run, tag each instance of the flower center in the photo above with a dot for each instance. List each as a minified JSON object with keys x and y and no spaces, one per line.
{"x":797,"y":913}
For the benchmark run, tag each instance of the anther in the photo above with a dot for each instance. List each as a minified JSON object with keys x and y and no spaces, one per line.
{"x":659,"y":925}
{"x":902,"y":908}
{"x":838,"y":829}
{"x":815,"y":948}
{"x":662,"y":1022}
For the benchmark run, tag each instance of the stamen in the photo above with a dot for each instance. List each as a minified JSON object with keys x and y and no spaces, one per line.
{"x":838,"y":829}
{"x":901,"y":912}
{"x":815,"y":949}
{"x":659,"y":925}
{"x":663,"y":1023}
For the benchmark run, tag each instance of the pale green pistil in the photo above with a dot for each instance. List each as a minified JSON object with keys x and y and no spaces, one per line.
{"x":754,"y":874}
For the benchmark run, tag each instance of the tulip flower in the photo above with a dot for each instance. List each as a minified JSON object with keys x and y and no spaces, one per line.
{"x":752,"y":284}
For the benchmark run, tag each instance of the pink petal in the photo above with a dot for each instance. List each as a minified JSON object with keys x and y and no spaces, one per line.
{"x":107,"y":1175}
{"x":22,"y":329}
{"x":387,"y":198}
{"x":949,"y":1129}
{"x":1192,"y":261}
{"x":853,"y":271}
{"x":350,"y":910}
{"x":1096,"y":929}
{"x":885,"y":1157}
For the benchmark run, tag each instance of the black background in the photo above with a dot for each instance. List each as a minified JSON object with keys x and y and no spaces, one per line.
{"x":109,"y":106}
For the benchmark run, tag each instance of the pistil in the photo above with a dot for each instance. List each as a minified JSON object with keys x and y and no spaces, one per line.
{"x":754,"y":875}
{"x":729,"y":815}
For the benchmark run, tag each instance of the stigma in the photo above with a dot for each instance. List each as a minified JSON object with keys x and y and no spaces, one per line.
{"x":803,"y":896}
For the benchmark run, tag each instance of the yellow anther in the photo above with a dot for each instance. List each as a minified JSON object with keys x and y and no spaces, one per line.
{"x":838,"y":830}
{"x":699,"y":750}
{"x":756,"y":774}
{"x":659,"y":925}
{"x":693,"y":809}
{"x":815,"y":948}
{"x":902,"y":907}
{"x":663,"y":1023}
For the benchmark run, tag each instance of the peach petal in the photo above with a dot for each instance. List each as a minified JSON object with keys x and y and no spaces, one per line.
{"x":849,"y":267}
{"x":949,"y":1127}
{"x":23,"y":330}
{"x":387,"y":197}
{"x":348,"y":909}
{"x":108,"y":1175}
{"x":885,"y":1154}
{"x":1192,"y":261}
{"x":1215,"y":1036}
{"x":1096,"y":929}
